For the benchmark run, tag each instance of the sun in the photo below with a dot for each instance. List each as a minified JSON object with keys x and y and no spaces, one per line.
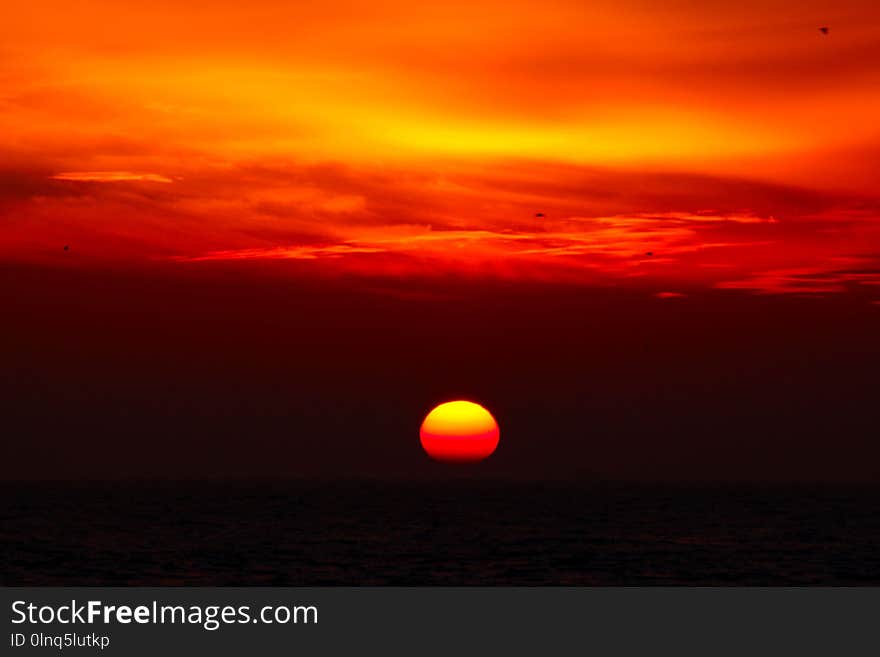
{"x":459,"y":432}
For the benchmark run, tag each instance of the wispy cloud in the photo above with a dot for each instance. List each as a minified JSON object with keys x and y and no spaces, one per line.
{"x":833,"y":276}
{"x":111,"y":176}
{"x":283,"y":253}
{"x":662,"y":232}
{"x":632,"y":240}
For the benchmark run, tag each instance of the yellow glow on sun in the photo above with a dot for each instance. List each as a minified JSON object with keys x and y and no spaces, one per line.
{"x":459,"y":432}
{"x":459,"y":418}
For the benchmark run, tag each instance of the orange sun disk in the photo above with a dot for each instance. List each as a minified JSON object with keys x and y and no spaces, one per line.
{"x":459,"y":432}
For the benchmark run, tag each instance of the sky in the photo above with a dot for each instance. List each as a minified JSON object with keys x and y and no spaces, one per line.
{"x":660,"y":161}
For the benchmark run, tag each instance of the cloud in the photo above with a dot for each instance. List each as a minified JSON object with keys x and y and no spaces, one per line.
{"x":282,"y":253}
{"x":111,"y":176}
{"x":656,"y":230}
{"x":822,"y":278}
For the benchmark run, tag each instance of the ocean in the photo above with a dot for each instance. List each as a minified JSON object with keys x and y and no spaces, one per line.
{"x":439,"y":533}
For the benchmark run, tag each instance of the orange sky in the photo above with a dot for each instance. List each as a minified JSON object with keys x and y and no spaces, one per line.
{"x":731,"y":140}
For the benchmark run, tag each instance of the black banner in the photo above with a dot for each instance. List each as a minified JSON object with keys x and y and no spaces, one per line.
{"x":236,"y":621}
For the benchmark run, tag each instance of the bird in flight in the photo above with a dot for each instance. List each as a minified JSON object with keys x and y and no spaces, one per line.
{"x":539,"y":215}
{"x":823,"y":30}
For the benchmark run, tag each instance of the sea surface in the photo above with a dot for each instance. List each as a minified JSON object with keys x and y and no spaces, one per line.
{"x":441,"y":533}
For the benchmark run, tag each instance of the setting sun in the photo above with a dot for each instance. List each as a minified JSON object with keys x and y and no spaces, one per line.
{"x":459,"y":432}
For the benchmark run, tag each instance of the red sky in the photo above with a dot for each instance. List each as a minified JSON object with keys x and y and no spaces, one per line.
{"x":295,"y":227}
{"x":733,"y":141}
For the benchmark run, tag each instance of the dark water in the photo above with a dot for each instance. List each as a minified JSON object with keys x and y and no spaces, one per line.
{"x":454,"y":533}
